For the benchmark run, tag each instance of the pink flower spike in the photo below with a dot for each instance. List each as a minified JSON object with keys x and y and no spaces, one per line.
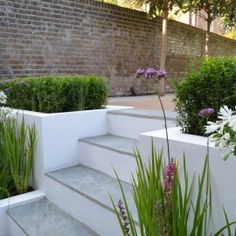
{"x":169,"y":177}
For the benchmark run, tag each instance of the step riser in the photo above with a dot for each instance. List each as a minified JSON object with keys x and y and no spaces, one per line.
{"x":14,"y":229}
{"x":107,"y":161}
{"x":131,"y":127}
{"x":100,"y":219}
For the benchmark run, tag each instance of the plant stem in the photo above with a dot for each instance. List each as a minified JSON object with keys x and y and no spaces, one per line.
{"x":167,"y":137}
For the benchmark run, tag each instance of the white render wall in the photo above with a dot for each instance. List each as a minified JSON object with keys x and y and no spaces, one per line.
{"x":223,"y":174}
{"x":132,"y":126}
{"x":58,"y":134}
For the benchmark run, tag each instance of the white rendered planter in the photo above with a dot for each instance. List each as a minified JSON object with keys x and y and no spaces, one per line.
{"x":15,"y":201}
{"x":223,"y":174}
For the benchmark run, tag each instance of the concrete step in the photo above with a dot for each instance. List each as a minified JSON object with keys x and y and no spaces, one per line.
{"x":43,"y":218}
{"x":122,"y":145}
{"x":14,"y":201}
{"x":85,"y":194}
{"x":108,"y":153}
{"x":131,"y":122}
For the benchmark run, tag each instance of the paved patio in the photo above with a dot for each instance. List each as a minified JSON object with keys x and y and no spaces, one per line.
{"x":144,"y":102}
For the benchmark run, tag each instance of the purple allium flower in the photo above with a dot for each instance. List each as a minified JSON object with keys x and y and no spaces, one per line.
{"x":161,"y":73}
{"x":123,"y":216}
{"x":150,"y":72}
{"x":169,"y":177}
{"x":206,"y":112}
{"x":140,"y":72}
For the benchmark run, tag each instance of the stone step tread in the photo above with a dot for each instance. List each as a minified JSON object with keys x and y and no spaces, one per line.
{"x":42,"y":218}
{"x":142,"y":113}
{"x":94,"y":185}
{"x":112,"y":142}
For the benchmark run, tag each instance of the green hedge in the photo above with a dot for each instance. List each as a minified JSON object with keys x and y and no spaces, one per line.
{"x":56,"y":93}
{"x":213,"y":85}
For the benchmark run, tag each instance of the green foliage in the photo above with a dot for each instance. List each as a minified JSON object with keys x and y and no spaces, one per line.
{"x":19,"y":94}
{"x":17,"y":148}
{"x":229,"y":19}
{"x":47,"y":94}
{"x":96,"y":93}
{"x":123,"y":3}
{"x":75,"y":92}
{"x":213,"y":85}
{"x":56,"y":93}
{"x":6,"y":180}
{"x":231,"y":34}
{"x":157,"y":8}
{"x":160,"y":214}
{"x":149,"y":184}
{"x":210,"y":10}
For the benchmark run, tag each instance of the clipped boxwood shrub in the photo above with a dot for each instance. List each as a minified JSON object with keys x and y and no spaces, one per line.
{"x":19,"y":94}
{"x":96,"y":89}
{"x":56,"y":93}
{"x":213,"y":85}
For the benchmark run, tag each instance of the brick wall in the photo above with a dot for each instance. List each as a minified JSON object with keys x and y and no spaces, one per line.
{"x":40,"y":37}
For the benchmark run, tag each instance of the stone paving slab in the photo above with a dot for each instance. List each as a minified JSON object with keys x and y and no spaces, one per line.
{"x":143,"y":113}
{"x":43,"y":218}
{"x":95,"y":185}
{"x":149,"y":102}
{"x":120,"y":144}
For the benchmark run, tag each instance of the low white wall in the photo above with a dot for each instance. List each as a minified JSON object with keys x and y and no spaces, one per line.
{"x":223,"y":174}
{"x":15,"y":201}
{"x":58,"y":134}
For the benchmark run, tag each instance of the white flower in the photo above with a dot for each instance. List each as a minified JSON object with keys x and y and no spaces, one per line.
{"x":224,"y":140}
{"x":211,"y":127}
{"x":226,"y":136}
{"x":11,"y":115}
{"x":5,"y":110}
{"x":7,"y":113}
{"x":232,"y":123}
{"x":3,"y":97}
{"x":225,"y":113}
{"x":220,"y":131}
